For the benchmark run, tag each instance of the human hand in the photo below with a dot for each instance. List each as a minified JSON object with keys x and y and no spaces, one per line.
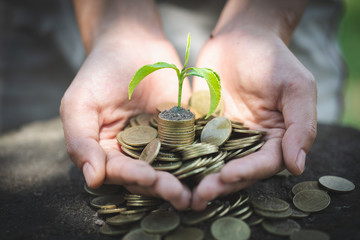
{"x":267,"y":88}
{"x":96,"y":107}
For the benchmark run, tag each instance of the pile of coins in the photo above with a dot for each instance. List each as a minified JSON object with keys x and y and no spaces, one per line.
{"x":231,"y":217}
{"x":217,"y":141}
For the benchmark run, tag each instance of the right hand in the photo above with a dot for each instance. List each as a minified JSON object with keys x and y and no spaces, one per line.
{"x":96,"y":107}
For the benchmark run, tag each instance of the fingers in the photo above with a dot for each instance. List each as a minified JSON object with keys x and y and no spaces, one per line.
{"x":168,"y":188}
{"x":123,"y":170}
{"x":81,"y":133}
{"x":261,"y":164}
{"x":211,"y":187}
{"x":299,"y":110}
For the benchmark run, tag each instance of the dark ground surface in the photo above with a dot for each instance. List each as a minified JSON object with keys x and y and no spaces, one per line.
{"x":42,"y":196}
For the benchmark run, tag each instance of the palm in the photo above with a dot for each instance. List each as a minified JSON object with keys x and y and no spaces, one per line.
{"x":260,"y":82}
{"x":96,"y":107}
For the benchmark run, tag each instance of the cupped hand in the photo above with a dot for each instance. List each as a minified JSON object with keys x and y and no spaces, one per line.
{"x":96,"y":107}
{"x":267,"y":88}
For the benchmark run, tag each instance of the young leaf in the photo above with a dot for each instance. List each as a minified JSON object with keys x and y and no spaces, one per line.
{"x":187,"y":53}
{"x":146,"y":70}
{"x":213,"y":81}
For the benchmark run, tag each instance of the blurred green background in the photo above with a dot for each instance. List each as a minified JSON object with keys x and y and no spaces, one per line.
{"x":349,"y":37}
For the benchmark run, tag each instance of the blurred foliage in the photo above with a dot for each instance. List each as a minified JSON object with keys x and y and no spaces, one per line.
{"x":349,"y":37}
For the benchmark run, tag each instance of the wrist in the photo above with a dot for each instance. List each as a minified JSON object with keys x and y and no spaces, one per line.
{"x":111,"y":21}
{"x":261,"y":18}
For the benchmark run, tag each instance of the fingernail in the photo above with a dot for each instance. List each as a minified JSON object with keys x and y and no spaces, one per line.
{"x":89,"y":173}
{"x":300,"y":160}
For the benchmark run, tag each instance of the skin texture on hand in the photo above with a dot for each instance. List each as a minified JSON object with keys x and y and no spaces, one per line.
{"x":96,"y":107}
{"x":267,"y":88}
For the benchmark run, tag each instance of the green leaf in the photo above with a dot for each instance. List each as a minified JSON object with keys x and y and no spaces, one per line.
{"x":193,"y":73}
{"x":213,"y":81}
{"x":187,"y":53}
{"x":146,"y":70}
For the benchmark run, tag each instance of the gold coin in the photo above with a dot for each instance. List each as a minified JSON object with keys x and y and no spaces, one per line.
{"x":111,"y":210}
{"x":190,"y":233}
{"x":166,"y":166}
{"x":306,"y":185}
{"x":109,"y":230}
{"x":311,"y":200}
{"x":283,"y":227}
{"x":131,"y":153}
{"x":230,"y":228}
{"x":122,"y":143}
{"x":273,"y":215}
{"x":151,"y":151}
{"x":137,"y":210}
{"x":200,"y":101}
{"x":139,"y":234}
{"x":124,"y":219}
{"x":139,"y":135}
{"x":191,"y":173}
{"x":217,"y":131}
{"x":144,"y":119}
{"x":105,"y":189}
{"x":160,"y":222}
{"x":269,"y":203}
{"x":108,"y":200}
{"x":133,"y":122}
{"x":250,"y":150}
{"x":336,"y":184}
{"x":193,"y":218}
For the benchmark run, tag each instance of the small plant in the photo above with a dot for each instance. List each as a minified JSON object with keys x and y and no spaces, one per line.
{"x":211,"y":77}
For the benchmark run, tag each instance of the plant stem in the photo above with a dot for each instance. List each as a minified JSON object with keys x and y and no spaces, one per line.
{"x":181,"y":80}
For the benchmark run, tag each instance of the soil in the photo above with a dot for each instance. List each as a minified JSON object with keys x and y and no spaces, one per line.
{"x":42,"y":195}
{"x":177,"y":113}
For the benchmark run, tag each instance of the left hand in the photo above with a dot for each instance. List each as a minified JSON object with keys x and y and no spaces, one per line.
{"x":267,"y":88}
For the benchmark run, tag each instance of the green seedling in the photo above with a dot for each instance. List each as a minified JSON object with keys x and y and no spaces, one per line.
{"x":211,"y":77}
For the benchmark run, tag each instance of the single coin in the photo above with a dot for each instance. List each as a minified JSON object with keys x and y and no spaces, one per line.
{"x":133,"y":122}
{"x":110,"y":210}
{"x":273,"y":215}
{"x":139,"y":234}
{"x":284,"y":173}
{"x":124,"y":219}
{"x":296,"y":213}
{"x":144,"y":119}
{"x":254,"y":220}
{"x":239,"y":211}
{"x":336,"y":184}
{"x":283,"y":227}
{"x":246,"y":215}
{"x":200,"y":101}
{"x":189,"y":233}
{"x":193,"y":218}
{"x":160,"y":222}
{"x":250,"y":150}
{"x":228,"y":228}
{"x":217,"y":131}
{"x":307,"y":234}
{"x":166,"y":166}
{"x":137,"y":210}
{"x":237,"y":130}
{"x":151,"y":151}
{"x":100,"y":202}
{"x":105,"y":189}
{"x":109,"y":230}
{"x":191,"y":173}
{"x":311,"y":200}
{"x":131,"y":153}
{"x":122,"y":143}
{"x":307,"y":185}
{"x":139,"y":135}
{"x":269,"y":203}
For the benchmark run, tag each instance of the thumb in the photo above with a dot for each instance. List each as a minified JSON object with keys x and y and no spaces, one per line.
{"x":299,"y":111}
{"x":81,"y":130}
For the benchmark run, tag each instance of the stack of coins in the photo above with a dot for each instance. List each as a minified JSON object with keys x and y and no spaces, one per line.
{"x":173,"y":134}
